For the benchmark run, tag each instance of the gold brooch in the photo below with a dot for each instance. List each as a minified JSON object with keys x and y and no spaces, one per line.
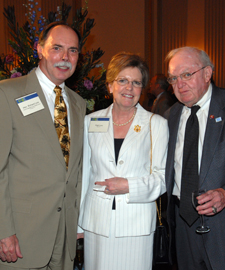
{"x":137,"y":128}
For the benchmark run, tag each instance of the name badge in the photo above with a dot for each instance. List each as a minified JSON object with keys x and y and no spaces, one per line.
{"x":218,"y":119}
{"x":29,"y":104}
{"x":99,"y":125}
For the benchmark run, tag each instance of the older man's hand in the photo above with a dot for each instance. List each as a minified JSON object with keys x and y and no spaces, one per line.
{"x":211,"y":202}
{"x":10,"y":249}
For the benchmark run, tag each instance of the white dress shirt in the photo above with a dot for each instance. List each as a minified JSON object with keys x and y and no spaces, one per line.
{"x":202,"y":115}
{"x":47,"y":87}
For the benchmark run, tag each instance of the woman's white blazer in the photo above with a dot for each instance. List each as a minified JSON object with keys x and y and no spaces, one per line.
{"x":135,"y":211}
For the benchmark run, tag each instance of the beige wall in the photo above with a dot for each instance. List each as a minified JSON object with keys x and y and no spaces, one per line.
{"x":120,"y":26}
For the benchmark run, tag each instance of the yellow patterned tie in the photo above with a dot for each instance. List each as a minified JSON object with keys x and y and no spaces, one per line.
{"x":61,"y":124}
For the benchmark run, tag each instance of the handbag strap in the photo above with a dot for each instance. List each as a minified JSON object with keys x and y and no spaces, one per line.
{"x":159,"y":209}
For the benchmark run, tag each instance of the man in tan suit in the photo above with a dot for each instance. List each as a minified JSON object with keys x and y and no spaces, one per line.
{"x":39,"y":195}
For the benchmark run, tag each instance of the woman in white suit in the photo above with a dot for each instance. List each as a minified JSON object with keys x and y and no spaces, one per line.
{"x":118,"y":211}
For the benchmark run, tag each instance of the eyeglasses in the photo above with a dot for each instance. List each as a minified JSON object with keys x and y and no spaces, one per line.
{"x":124,"y":81}
{"x":184,"y":76}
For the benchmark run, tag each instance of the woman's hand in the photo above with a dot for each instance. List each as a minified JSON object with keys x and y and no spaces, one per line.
{"x":115,"y":185}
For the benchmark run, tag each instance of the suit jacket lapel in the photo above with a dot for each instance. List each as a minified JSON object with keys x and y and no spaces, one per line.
{"x":43,"y":117}
{"x":173,"y":122}
{"x":108,"y":137}
{"x":74,"y":123}
{"x":213,"y":131}
{"x":141,"y":119}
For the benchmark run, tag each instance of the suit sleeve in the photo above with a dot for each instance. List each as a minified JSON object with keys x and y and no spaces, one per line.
{"x":86,"y":168}
{"x":7,"y":227}
{"x":144,"y":189}
{"x":79,"y":186}
{"x":164,"y":106}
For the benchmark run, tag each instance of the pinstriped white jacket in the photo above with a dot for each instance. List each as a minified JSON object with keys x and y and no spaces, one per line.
{"x":136,"y":211}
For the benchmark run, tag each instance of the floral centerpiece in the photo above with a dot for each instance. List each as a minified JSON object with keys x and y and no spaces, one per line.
{"x":24,"y":52}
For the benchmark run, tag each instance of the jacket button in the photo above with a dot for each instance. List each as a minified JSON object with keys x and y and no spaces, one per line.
{"x":121,"y":162}
{"x":59,"y":209}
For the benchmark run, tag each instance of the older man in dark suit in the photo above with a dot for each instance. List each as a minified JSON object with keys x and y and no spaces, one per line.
{"x":196,"y":161}
{"x":41,"y":158}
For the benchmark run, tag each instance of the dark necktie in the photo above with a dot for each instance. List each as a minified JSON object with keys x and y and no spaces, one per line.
{"x":61,"y":124}
{"x":190,"y":177}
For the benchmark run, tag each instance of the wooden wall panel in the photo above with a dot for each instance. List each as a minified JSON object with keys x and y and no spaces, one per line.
{"x":169,"y":29}
{"x":148,"y":31}
{"x":215,"y":37}
{"x":177,"y":23}
{"x":174,"y":27}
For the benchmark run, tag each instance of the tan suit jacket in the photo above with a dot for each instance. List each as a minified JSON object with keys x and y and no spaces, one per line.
{"x":34,"y":182}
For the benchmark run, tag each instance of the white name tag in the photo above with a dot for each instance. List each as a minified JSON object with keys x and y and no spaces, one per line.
{"x":30,"y":104}
{"x":99,"y":125}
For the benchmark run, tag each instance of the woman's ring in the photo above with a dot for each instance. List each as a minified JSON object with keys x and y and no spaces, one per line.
{"x":106,"y":190}
{"x":214,"y":209}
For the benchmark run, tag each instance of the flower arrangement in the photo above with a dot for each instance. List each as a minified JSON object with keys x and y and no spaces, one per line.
{"x":24,"y":52}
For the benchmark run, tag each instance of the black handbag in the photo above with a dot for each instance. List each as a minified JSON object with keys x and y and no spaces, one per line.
{"x":161,"y":238}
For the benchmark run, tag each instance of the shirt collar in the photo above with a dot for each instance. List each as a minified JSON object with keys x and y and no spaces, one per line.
{"x":45,"y":80}
{"x":206,"y":97}
{"x":204,"y":100}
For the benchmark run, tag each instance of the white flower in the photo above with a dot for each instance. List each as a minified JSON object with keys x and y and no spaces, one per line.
{"x":13,"y":70}
{"x":99,"y":65}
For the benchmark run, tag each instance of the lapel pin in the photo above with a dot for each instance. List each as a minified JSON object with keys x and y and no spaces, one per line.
{"x":211,"y":116}
{"x":137,"y":128}
{"x":218,"y":119}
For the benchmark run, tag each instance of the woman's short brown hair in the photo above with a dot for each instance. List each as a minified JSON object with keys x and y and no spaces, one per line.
{"x":124,"y":60}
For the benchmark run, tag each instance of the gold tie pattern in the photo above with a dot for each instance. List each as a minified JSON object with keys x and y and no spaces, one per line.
{"x":61,"y":124}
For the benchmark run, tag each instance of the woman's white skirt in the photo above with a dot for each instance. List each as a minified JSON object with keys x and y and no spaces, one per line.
{"x":123,"y":253}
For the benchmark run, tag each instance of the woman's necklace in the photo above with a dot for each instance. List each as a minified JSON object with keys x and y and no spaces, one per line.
{"x":124,"y":124}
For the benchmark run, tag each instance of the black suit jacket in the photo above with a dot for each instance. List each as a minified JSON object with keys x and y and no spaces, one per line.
{"x":163,"y":103}
{"x":212,"y":171}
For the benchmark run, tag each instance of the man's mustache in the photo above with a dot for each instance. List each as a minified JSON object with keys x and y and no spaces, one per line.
{"x":63,"y":64}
